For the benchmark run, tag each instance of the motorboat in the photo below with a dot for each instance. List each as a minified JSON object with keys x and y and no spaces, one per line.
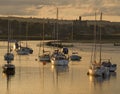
{"x":117,"y":44}
{"x":24,"y":51}
{"x":29,"y":50}
{"x":75,"y":57}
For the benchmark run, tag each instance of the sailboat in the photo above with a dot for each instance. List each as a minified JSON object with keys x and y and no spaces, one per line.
{"x":25,"y":50}
{"x":96,"y":69}
{"x":74,"y":56}
{"x":45,"y":57}
{"x":107,"y":63}
{"x":9,"y":68}
{"x":58,"y":58}
{"x":9,"y":56}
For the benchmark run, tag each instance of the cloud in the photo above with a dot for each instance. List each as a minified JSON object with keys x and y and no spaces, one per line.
{"x":67,"y":8}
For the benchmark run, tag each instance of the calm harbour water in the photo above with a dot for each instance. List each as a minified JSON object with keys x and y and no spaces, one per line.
{"x":32,"y":77}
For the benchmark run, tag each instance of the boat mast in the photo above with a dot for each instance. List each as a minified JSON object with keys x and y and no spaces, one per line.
{"x":43,"y":35}
{"x":8,"y":50}
{"x":72,"y":36}
{"x":100,"y":37}
{"x":95,"y":39}
{"x":26,"y":33}
{"x":54,"y":33}
{"x":20,"y":32}
{"x":39,"y":46}
{"x":10,"y":36}
{"x":57,"y":26}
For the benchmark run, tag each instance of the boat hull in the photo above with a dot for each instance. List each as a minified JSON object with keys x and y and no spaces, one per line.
{"x":112,"y":67}
{"x":8,"y":57}
{"x":98,"y":71}
{"x":24,"y":51}
{"x":9,"y":69}
{"x":44,"y":58}
{"x":59,"y":62}
{"x":75,"y":58}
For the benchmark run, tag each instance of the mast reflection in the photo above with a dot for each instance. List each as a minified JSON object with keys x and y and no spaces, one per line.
{"x":100,"y":80}
{"x":8,"y":81}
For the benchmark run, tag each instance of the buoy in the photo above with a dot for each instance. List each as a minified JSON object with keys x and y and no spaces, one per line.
{"x":36,"y":59}
{"x":44,"y":63}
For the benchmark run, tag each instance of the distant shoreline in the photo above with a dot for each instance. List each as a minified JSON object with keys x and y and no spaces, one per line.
{"x":68,"y":41}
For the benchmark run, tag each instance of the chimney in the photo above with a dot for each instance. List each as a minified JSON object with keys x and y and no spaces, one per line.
{"x":80,"y":18}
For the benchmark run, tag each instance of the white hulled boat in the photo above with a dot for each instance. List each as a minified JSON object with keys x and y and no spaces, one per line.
{"x":75,"y":57}
{"x":59,"y":59}
{"x":45,"y":56}
{"x":96,"y":69}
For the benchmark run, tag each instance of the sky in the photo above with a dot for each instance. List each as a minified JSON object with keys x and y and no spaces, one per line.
{"x":68,"y":9}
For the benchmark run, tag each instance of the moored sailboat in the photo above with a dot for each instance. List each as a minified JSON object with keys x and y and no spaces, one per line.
{"x":59,"y":58}
{"x":45,"y":56}
{"x":9,"y":56}
{"x":9,"y":68}
{"x":20,"y":49}
{"x":96,"y":69}
{"x":74,"y":56}
{"x":108,"y":64}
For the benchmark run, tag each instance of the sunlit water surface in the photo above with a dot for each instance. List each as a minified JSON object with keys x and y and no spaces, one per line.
{"x":32,"y":77}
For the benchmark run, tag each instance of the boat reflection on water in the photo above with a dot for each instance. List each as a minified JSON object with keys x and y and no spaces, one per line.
{"x":100,"y":79}
{"x":59,"y":72}
{"x":113,"y":75}
{"x":60,"y":69}
{"x":97,"y":79}
{"x":8,"y":81}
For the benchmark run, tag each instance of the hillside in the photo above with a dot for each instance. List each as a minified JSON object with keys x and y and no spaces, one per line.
{"x":82,"y":29}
